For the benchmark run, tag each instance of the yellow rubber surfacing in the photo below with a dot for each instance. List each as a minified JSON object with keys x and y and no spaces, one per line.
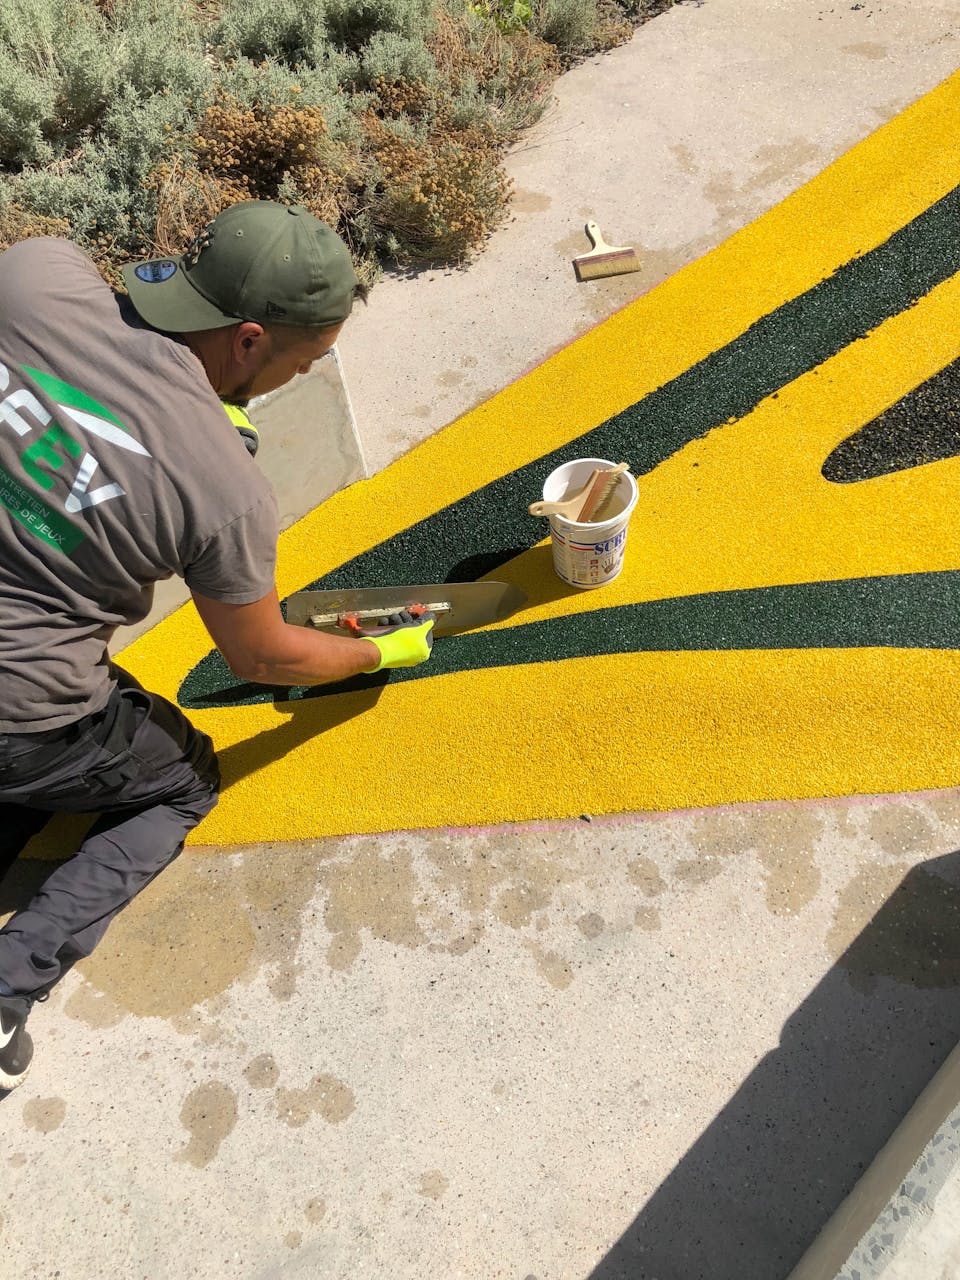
{"x":744,"y":507}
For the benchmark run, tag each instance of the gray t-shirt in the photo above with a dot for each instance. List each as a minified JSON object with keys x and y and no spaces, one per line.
{"x":118,"y":468}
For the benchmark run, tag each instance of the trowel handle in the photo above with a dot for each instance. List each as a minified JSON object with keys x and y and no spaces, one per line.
{"x":356,"y":622}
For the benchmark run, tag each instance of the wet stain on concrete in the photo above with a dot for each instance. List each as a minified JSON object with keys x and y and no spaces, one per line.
{"x":551,"y":966}
{"x":451,"y":378}
{"x":375,"y":894}
{"x":315,"y":1210}
{"x":866,"y":49}
{"x":686,"y":160}
{"x":887,"y":110}
{"x":325,"y":1096}
{"x":433,"y":1184}
{"x":276,"y":884}
{"x":464,"y":942}
{"x":499,"y":873}
{"x":209,"y":1114}
{"x":843,"y":814}
{"x":591,"y":925}
{"x":607,"y":294}
{"x":472,"y":874}
{"x":516,"y":905}
{"x":900,"y":829}
{"x":242,"y":914}
{"x":482,"y":396}
{"x":44,"y":1114}
{"x":645,"y":874}
{"x":900,"y":923}
{"x":418,"y":411}
{"x":647,"y":919}
{"x":94,"y":1008}
{"x":784,"y":840}
{"x":147,"y":963}
{"x":776,"y":163}
{"x":293,"y":1239}
{"x":17,"y":1160}
{"x":694,"y":871}
{"x":944,"y":805}
{"x":262,"y":1072}
{"x":193,"y":1023}
{"x":529,"y":201}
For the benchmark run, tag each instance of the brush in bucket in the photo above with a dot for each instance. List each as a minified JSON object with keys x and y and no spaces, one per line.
{"x":588,"y":552}
{"x":590,"y":502}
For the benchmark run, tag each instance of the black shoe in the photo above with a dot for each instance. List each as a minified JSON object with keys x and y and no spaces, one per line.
{"x":16,"y":1047}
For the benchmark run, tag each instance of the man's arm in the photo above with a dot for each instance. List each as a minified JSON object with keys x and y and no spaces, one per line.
{"x":259,"y":646}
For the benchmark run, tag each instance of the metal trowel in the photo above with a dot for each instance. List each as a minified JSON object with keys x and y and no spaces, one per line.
{"x":459,"y":606}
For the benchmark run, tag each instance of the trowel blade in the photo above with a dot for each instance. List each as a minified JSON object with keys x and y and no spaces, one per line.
{"x":470,"y":604}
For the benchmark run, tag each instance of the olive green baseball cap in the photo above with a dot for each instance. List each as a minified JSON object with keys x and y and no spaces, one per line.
{"x":258,"y":260}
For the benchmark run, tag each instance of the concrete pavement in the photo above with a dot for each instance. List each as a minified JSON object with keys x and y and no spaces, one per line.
{"x":648,"y":1045}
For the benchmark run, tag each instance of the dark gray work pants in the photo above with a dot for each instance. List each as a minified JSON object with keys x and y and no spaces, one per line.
{"x":150,"y":775}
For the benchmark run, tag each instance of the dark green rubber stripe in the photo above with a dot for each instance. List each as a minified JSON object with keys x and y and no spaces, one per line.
{"x":902,"y":611}
{"x":922,"y":427}
{"x":454,"y":543}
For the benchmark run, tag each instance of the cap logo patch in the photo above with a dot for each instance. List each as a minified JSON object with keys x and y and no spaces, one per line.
{"x":200,"y":242}
{"x":272,"y":309}
{"x":155,"y":272}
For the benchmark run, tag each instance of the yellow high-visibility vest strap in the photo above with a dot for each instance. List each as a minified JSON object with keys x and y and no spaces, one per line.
{"x":238,"y":416}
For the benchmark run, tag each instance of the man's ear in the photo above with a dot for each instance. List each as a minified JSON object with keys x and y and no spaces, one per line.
{"x":248,"y":341}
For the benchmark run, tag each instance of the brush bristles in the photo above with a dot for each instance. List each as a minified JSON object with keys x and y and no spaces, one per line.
{"x":594,"y":265}
{"x":600,"y":493}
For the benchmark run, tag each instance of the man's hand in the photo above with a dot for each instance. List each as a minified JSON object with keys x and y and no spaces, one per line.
{"x":404,"y":639}
{"x":259,"y":646}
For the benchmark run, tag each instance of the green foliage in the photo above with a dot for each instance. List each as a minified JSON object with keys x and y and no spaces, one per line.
{"x":566,"y":24}
{"x":506,"y":15}
{"x":101,"y":191}
{"x":286,"y":31}
{"x":159,"y":50}
{"x":272,"y":84}
{"x":125,"y":124}
{"x":32,"y":30}
{"x":392,"y":57}
{"x":88,"y":75}
{"x":351,"y":24}
{"x":25,"y":109}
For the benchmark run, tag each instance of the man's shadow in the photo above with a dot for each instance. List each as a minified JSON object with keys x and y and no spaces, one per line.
{"x":752,"y":1194}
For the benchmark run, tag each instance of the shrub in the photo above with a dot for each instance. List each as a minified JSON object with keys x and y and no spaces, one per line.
{"x":493,"y":79}
{"x":506,"y":15}
{"x":351,"y":24}
{"x":160,"y":50}
{"x":566,"y":24}
{"x":252,"y":152}
{"x":391,"y":57}
{"x":287,"y":31}
{"x":271,"y":83}
{"x":24,"y":111}
{"x":125,"y":124}
{"x":435,"y":201}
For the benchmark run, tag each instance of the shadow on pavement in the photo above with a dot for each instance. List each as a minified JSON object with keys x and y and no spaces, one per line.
{"x":755,"y":1190}
{"x":60,"y":834}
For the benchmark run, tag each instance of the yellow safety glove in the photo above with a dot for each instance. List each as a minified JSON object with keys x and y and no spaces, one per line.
{"x":404,"y":639}
{"x":248,"y":432}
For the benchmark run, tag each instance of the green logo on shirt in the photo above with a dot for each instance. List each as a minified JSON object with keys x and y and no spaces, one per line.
{"x":54,"y":448}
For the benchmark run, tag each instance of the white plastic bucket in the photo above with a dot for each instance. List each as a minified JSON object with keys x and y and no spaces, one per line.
{"x":591,"y":554}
